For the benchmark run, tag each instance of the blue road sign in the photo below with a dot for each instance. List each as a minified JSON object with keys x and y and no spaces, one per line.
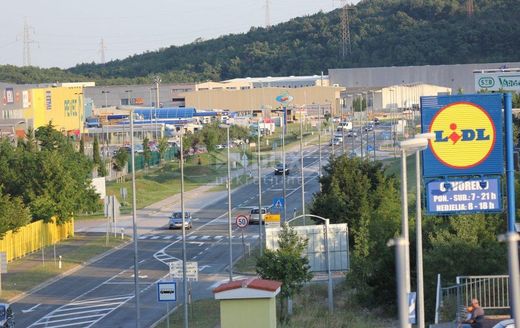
{"x":167,"y":291}
{"x":278,"y":202}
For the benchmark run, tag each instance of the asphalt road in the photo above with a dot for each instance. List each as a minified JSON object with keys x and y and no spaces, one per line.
{"x":102,"y":294}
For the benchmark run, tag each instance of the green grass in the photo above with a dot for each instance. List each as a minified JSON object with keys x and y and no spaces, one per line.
{"x":30,"y":271}
{"x":310,"y":311}
{"x":202,"y":314}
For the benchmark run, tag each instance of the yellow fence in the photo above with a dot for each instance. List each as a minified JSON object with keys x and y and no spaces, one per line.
{"x":33,"y":236}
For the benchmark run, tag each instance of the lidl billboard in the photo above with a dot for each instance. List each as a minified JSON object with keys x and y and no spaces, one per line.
{"x":468,"y":135}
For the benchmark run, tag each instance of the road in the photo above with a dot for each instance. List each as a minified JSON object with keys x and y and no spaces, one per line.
{"x":102,"y":294}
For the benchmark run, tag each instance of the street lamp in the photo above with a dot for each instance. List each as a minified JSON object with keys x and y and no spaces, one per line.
{"x":418,"y":222}
{"x":301,"y":164}
{"x":409,"y":145}
{"x":134,"y":224}
{"x":230,"y":231}
{"x":260,"y":216}
{"x":183,"y":216}
{"x":105,"y":92}
{"x":157,"y":80}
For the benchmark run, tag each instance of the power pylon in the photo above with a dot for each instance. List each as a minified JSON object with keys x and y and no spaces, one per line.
{"x":27,"y":40}
{"x":346,"y":47}
{"x":267,"y":14}
{"x":102,"y":48}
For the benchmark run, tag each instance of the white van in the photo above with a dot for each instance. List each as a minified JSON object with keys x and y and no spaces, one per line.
{"x":346,"y":126}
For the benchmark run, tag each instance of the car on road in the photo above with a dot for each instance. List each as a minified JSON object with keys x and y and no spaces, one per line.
{"x":254,"y":218}
{"x":6,"y":316}
{"x":175,"y":221}
{"x":509,"y":323}
{"x":279,"y":169}
{"x":351,"y":134}
{"x":336,"y":141}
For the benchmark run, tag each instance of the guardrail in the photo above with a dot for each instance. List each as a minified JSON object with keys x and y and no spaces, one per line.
{"x":491,"y":291}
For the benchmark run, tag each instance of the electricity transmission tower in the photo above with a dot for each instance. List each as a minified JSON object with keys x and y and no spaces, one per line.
{"x":346,"y":47}
{"x":27,"y":40}
{"x":267,"y":14}
{"x":102,"y":48}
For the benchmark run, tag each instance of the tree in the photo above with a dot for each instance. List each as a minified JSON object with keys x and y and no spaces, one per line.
{"x":13,"y":213}
{"x":286,"y":264}
{"x":147,"y":153}
{"x":82,"y":146}
{"x":162,"y":147}
{"x":120,"y":160}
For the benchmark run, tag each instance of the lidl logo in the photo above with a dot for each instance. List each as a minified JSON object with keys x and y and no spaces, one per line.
{"x":464,"y":135}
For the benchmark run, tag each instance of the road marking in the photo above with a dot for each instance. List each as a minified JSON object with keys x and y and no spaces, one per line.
{"x":168,"y":237}
{"x":31,"y":309}
{"x":205,"y":237}
{"x":155,"y":237}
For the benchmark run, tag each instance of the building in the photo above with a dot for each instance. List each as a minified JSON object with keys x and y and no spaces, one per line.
{"x":456,"y":77}
{"x":32,"y":106}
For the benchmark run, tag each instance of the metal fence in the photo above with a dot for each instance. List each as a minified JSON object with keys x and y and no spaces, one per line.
{"x":491,"y":291}
{"x":155,"y":159}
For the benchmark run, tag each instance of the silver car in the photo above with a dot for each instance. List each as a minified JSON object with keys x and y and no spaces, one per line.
{"x":175,"y":221}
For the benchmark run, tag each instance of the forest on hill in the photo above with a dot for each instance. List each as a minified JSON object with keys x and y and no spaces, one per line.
{"x":382,"y":33}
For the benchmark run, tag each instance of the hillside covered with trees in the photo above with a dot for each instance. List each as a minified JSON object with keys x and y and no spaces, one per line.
{"x":383,"y":33}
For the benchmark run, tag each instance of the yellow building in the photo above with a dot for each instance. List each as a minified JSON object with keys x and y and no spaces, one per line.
{"x":64,"y":106}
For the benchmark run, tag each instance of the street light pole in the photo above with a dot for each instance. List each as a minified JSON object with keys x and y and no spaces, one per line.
{"x":260,"y":216}
{"x":134,"y":227}
{"x":319,"y":141}
{"x":284,"y":166}
{"x":301,"y":164}
{"x":230,"y":230}
{"x":184,"y":259}
{"x":157,"y":80}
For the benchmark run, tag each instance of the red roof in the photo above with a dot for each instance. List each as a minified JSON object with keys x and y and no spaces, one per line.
{"x":253,"y":283}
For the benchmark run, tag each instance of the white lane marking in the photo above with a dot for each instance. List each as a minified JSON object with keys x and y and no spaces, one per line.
{"x":155,"y":237}
{"x":31,"y":309}
{"x":142,"y":237}
{"x":205,"y":237}
{"x":168,"y":237}
{"x":218,"y":237}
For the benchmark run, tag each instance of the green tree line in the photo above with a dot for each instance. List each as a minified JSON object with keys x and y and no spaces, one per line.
{"x":382,"y":33}
{"x":43,"y":176}
{"x":361,"y":194}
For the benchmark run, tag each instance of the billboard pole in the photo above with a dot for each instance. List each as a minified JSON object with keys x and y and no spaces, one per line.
{"x":511,"y":218}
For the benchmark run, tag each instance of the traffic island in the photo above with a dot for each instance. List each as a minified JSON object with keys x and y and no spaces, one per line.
{"x":248,"y":303}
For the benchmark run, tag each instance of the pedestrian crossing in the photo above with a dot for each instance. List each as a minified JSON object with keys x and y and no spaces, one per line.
{"x":82,"y":313}
{"x":196,"y":238}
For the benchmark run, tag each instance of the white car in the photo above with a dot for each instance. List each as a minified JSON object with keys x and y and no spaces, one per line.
{"x":509,"y":323}
{"x":254,"y":218}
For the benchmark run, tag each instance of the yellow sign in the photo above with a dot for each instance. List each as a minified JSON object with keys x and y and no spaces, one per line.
{"x":464,"y":135}
{"x":272,"y":218}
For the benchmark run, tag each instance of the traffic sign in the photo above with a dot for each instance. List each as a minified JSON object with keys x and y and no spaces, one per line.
{"x":278,"y":202}
{"x":167,"y":291}
{"x":242,"y":221}
{"x":192,"y":270}
{"x":272,"y":218}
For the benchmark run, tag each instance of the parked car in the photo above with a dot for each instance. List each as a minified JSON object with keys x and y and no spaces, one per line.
{"x":509,"y":323}
{"x":254,"y":218}
{"x":175,"y":221}
{"x":278,"y":170}
{"x":6,"y":316}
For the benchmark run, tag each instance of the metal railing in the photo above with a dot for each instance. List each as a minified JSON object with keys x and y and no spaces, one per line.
{"x":491,"y":291}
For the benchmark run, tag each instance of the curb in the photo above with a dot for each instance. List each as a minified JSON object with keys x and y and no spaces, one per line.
{"x":44,"y":284}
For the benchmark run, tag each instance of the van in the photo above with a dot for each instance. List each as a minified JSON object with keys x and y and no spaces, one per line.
{"x":347,"y":126}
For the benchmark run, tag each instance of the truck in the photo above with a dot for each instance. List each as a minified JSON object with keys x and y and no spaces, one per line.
{"x":344,"y":125}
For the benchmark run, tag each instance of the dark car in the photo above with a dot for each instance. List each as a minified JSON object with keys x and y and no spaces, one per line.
{"x":175,"y":221}
{"x":6,"y":316}
{"x":278,"y":170}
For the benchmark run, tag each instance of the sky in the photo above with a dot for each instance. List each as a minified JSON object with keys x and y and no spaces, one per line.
{"x":63,"y":33}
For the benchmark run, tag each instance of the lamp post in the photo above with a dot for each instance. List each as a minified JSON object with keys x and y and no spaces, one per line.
{"x":134,"y":226}
{"x":416,"y":144}
{"x":301,"y":164}
{"x":105,"y":92}
{"x":183,"y":216}
{"x":418,"y":229}
{"x":284,"y":187}
{"x":360,"y":126}
{"x":157,"y":81}
{"x":319,"y":141}
{"x":230,"y":230}
{"x":260,"y":216}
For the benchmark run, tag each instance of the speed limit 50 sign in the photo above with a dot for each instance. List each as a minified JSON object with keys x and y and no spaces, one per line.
{"x":242,"y":221}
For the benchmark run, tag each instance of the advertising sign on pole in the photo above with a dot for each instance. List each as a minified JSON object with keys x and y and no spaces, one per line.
{"x":464,"y":195}
{"x":468,"y":135}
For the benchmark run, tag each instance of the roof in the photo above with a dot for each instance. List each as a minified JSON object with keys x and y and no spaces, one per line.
{"x":248,"y":288}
